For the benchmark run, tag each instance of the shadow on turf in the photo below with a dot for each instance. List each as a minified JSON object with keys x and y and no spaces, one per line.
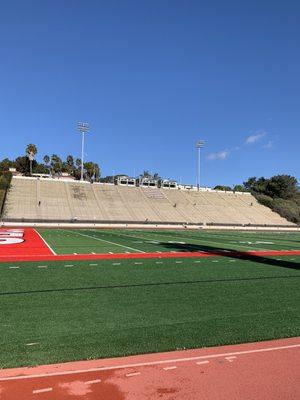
{"x":147,"y":284}
{"x":188,"y":247}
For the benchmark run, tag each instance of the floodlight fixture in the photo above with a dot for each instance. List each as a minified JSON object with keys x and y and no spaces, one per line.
{"x":83,"y":128}
{"x":199,"y":146}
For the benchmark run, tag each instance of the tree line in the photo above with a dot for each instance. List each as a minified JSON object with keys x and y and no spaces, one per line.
{"x":281,"y":193}
{"x":52,"y":165}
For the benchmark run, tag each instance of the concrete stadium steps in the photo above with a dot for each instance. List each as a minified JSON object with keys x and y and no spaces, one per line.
{"x":112,"y":203}
{"x":58,"y":200}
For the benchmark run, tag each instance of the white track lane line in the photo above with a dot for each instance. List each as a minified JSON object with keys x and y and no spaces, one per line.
{"x":50,"y":248}
{"x":106,"y":241}
{"x":150,"y":363}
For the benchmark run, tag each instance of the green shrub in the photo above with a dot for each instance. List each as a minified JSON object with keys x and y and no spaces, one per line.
{"x":5,"y":179}
{"x":288,"y":209}
{"x":265,"y":200}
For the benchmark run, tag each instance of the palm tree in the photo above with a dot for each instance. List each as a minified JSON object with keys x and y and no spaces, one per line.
{"x":70,"y":164}
{"x":56,"y":163}
{"x":46,"y":159}
{"x":31,"y":151}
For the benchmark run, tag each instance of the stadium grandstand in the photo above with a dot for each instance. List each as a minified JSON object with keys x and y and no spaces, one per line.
{"x":32,"y":199}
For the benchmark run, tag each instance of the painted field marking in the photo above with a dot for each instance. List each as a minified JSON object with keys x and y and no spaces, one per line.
{"x":215,"y":261}
{"x":69,"y":265}
{"x":202,"y":362}
{"x":92,"y":382}
{"x":169,"y":368}
{"x":116,"y":263}
{"x":14,"y":267}
{"x":32,"y":344}
{"x":145,"y":364}
{"x":197,"y":261}
{"x":138,"y":263}
{"x":133,"y":374}
{"x":158,"y":262}
{"x":178,"y":262}
{"x":106,"y":241}
{"x":50,"y":248}
{"x":37,"y":391}
{"x":92,"y":265}
{"x":230,"y":359}
{"x":42,"y":266}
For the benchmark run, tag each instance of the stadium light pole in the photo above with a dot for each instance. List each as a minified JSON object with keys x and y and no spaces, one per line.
{"x":83,"y":128}
{"x":199,"y":145}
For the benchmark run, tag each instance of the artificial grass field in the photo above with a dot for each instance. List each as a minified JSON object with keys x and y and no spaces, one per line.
{"x":62,"y":311}
{"x":84,"y":241}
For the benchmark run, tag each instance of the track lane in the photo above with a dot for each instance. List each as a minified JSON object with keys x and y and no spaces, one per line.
{"x":262,"y":370}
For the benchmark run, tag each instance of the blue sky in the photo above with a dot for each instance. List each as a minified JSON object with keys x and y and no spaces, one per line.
{"x":151,"y":77}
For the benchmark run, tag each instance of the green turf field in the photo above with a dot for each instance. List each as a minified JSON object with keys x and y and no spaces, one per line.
{"x":62,"y":311}
{"x":84,"y":241}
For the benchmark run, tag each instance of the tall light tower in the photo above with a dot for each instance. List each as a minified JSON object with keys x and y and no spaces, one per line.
{"x":83,"y":128}
{"x":199,"y":145}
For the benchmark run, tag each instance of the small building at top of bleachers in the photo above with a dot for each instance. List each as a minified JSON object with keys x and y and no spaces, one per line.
{"x":125,"y":180}
{"x":148,"y":182}
{"x":169,"y":184}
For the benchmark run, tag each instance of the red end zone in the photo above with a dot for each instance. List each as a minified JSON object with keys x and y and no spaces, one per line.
{"x":19,"y":242}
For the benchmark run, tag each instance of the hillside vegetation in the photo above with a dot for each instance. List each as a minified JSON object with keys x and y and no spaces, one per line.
{"x":280,"y":193}
{"x":5,"y":179}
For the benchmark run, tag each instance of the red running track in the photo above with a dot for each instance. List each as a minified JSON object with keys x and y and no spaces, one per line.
{"x":34,"y":248}
{"x":254,"y":371}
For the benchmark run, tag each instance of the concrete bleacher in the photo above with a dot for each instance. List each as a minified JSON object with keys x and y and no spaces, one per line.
{"x":32,"y":199}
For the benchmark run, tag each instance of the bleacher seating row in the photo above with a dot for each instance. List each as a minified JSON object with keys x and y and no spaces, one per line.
{"x":58,"y":200}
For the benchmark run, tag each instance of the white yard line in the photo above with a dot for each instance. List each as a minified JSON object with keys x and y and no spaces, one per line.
{"x":106,"y":241}
{"x":50,"y":248}
{"x":150,"y":363}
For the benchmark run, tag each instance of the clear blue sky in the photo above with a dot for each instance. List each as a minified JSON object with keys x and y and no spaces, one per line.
{"x":151,"y":77}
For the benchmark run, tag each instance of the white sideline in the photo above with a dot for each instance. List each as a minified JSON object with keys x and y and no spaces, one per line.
{"x":102,"y":240}
{"x":150,"y":363}
{"x":50,"y":248}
